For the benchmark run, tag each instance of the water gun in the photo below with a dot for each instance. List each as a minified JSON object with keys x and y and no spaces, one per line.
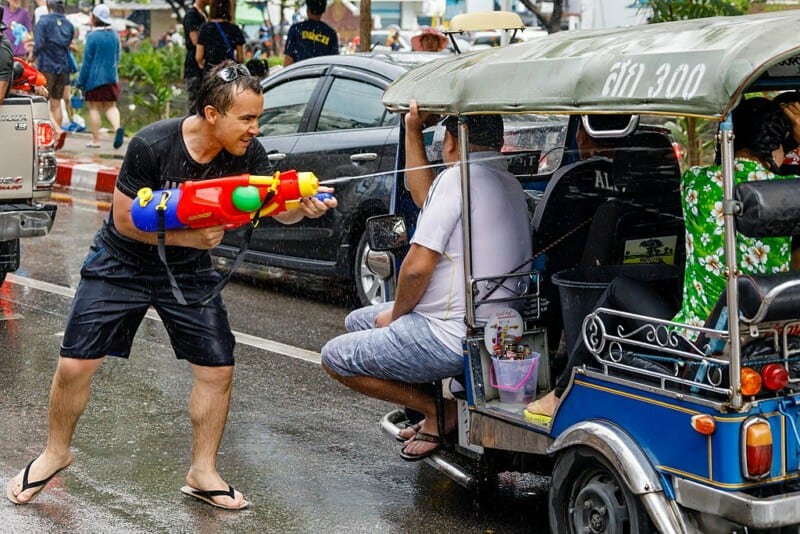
{"x":231,"y":201}
{"x":25,"y":76}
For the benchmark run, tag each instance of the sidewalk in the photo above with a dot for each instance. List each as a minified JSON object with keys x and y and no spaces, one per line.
{"x":92,"y":169}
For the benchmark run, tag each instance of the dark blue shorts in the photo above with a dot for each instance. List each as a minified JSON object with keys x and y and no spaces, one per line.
{"x":112,"y":299}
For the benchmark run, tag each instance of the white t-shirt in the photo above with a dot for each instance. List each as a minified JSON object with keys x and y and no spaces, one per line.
{"x":501,"y":240}
{"x":38,"y":12}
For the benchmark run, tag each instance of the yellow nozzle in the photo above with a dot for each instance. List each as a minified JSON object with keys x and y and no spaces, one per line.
{"x":145,"y":195}
{"x":307,"y":183}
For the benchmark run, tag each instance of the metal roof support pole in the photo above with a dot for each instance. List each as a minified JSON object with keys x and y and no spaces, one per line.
{"x":466,"y":216}
{"x":729,"y":210}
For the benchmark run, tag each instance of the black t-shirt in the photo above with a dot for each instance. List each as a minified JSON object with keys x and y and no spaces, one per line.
{"x":157,"y":157}
{"x":6,"y":62}
{"x":211,"y":38}
{"x":311,"y":38}
{"x":191,"y":22}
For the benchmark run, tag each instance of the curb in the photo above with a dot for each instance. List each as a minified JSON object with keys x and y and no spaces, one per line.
{"x":86,"y":176}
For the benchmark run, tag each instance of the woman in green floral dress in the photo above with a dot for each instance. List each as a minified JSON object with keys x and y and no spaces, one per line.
{"x":760,"y":129}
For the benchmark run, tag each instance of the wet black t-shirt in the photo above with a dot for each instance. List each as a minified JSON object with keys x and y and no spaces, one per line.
{"x":157,"y":158}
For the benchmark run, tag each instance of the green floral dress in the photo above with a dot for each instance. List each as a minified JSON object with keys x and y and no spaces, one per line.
{"x":704,"y":280}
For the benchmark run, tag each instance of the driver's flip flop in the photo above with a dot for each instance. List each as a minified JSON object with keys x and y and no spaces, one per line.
{"x":26,"y":485}
{"x":207,"y":496}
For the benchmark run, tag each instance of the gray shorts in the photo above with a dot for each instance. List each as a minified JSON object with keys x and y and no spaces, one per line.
{"x":406,"y":351}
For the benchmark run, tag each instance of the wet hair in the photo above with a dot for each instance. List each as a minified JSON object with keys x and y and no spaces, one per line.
{"x":316,"y":7}
{"x":760,"y":126}
{"x":484,"y":130}
{"x":220,"y":9}
{"x":216,"y":92}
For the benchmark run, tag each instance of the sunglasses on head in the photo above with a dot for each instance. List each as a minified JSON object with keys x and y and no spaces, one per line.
{"x":233,"y":72}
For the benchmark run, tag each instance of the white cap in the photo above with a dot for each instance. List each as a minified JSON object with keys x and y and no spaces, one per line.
{"x":102,"y":13}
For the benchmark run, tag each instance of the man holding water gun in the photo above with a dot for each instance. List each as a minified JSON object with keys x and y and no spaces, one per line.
{"x":123,"y":275}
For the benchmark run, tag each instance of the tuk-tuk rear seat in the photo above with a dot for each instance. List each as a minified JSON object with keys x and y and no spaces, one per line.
{"x":768,"y":308}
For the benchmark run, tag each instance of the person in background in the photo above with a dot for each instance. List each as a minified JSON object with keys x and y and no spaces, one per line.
{"x":219,"y":39}
{"x":310,"y":38}
{"x":98,"y":78}
{"x":52,"y":38}
{"x":393,"y":350}
{"x":428,"y":40}
{"x":6,"y":61}
{"x":760,"y":129}
{"x":192,"y":73}
{"x":41,"y":9}
{"x":123,"y":276}
{"x":17,"y":19}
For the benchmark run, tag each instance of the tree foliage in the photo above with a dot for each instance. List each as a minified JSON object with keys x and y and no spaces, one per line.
{"x":669,"y":10}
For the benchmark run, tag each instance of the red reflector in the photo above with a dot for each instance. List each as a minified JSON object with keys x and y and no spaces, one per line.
{"x":44,"y":133}
{"x":759,"y":459}
{"x":774,"y":376}
{"x":678,"y":149}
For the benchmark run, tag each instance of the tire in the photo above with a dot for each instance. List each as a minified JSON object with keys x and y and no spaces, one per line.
{"x":369,"y":288}
{"x":588,"y":496}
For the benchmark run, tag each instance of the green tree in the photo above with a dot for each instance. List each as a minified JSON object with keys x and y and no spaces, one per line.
{"x":669,"y":10}
{"x":154,"y":75}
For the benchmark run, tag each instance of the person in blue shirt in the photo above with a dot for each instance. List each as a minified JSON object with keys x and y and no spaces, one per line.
{"x":310,"y":38}
{"x":52,"y":38}
{"x":98,"y":77}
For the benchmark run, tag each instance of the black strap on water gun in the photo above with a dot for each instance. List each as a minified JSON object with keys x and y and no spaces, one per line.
{"x":243,"y":245}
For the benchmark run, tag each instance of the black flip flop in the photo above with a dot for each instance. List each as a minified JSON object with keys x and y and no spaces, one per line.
{"x":208,"y":495}
{"x":26,"y":485}
{"x":421,"y":436}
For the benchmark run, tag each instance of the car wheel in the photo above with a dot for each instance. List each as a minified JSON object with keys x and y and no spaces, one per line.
{"x":368,"y":285}
{"x":587,"y":495}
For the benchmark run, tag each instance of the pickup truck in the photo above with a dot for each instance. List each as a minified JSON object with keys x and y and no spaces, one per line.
{"x":27,"y":174}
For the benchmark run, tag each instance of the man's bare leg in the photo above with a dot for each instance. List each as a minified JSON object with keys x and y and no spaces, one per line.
{"x":69,"y":395}
{"x":208,"y":411}
{"x":409,"y":395}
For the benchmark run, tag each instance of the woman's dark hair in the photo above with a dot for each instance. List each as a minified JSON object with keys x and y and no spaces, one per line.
{"x":220,"y":9}
{"x":216,"y":92}
{"x":760,"y":126}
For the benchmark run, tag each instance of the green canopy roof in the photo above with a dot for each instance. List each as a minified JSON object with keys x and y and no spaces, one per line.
{"x":694,"y":67}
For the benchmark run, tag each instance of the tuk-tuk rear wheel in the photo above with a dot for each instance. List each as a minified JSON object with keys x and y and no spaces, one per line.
{"x":588,"y":496}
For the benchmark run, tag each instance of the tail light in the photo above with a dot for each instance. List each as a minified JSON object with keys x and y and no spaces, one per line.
{"x":751,"y":382}
{"x":774,"y":376}
{"x":678,"y":150}
{"x":44,"y":133}
{"x":45,"y":157}
{"x":756,"y":448}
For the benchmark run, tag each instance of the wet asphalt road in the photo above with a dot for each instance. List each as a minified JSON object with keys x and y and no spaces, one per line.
{"x":306,"y":452}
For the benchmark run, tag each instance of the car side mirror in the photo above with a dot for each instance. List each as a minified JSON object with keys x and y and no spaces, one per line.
{"x":387,"y":232}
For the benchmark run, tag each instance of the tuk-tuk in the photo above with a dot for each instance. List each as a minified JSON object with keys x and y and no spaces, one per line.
{"x":656,"y":435}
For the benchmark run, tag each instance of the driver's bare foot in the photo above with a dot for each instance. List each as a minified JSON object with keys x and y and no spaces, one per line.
{"x":30,"y":482}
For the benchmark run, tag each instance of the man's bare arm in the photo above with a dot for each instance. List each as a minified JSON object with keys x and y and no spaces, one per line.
{"x":418,"y":181}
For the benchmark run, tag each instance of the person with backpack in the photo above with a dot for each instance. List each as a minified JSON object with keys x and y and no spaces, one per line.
{"x":219,"y":39}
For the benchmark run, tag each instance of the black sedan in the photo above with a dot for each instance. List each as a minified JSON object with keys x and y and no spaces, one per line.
{"x":325,"y":115}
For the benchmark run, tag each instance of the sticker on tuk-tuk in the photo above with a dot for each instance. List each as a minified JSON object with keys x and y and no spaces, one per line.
{"x":651,"y":250}
{"x":502,"y":326}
